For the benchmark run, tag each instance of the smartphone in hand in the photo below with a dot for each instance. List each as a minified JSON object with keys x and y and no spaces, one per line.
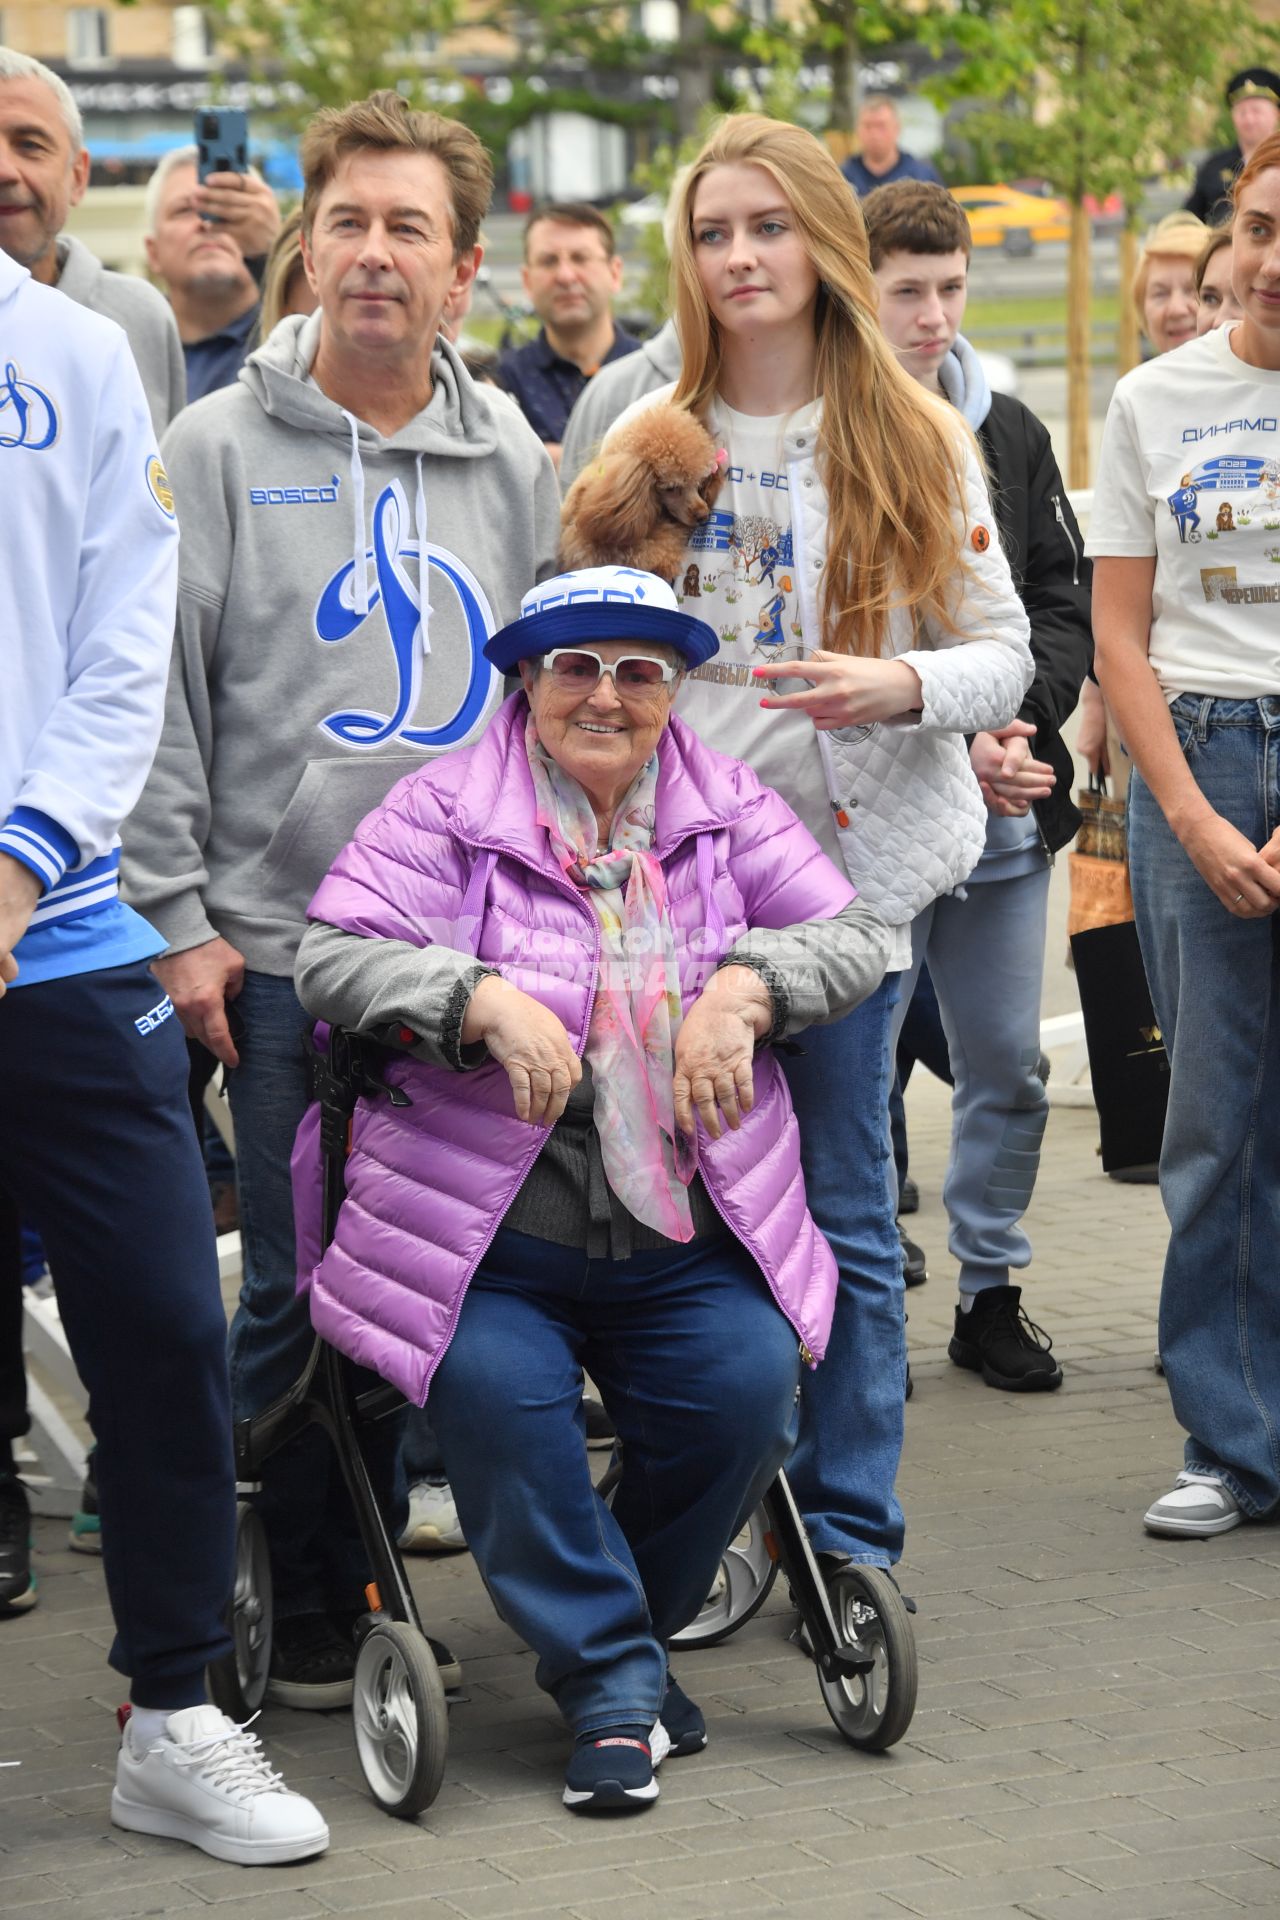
{"x":222,"y":141}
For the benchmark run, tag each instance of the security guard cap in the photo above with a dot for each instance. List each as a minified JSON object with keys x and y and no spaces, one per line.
{"x":1255,"y":83}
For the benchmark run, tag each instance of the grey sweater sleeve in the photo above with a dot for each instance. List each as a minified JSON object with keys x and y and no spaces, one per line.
{"x":371,"y":984}
{"x":818,"y":971}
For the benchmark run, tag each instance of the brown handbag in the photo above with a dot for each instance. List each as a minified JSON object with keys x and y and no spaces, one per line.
{"x":1098,"y":865}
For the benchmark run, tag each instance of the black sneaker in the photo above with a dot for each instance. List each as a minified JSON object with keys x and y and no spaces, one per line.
{"x":312,"y":1663}
{"x":909,"y":1197}
{"x":17,"y":1582}
{"x":601,"y":1431}
{"x":996,"y":1339}
{"x":86,"y":1527}
{"x":353,"y":1626}
{"x":613,"y":1771}
{"x":914,"y":1270}
{"x":683,"y":1720}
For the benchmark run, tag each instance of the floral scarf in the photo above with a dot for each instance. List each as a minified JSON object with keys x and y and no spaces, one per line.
{"x":636,"y":1013}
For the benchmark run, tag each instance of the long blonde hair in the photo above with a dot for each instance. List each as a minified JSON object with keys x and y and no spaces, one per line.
{"x":891,"y":459}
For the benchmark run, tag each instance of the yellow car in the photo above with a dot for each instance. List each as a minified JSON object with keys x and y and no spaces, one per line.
{"x":1006,"y":217}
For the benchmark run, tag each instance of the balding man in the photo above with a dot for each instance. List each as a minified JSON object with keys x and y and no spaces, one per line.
{"x":44,"y":171}
{"x":208,"y":243}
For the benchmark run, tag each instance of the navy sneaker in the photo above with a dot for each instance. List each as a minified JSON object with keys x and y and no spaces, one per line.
{"x":612,"y":1771}
{"x":684,"y":1723}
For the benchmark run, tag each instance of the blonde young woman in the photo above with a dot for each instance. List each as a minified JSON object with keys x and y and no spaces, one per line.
{"x":867,"y":621}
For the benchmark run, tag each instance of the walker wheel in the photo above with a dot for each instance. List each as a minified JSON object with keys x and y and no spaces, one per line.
{"x":238,"y":1682}
{"x":747,"y":1572}
{"x":872,"y":1710}
{"x":399,"y":1717}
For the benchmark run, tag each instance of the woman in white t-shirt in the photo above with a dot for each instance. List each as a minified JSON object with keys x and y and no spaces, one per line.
{"x":1185,"y":532}
{"x":851,"y":555}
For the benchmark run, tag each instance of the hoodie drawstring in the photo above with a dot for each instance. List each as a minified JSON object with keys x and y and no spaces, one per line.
{"x":359,"y":551}
{"x":424,"y":566}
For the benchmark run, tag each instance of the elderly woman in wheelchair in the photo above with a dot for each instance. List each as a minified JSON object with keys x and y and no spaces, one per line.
{"x":586,"y":932}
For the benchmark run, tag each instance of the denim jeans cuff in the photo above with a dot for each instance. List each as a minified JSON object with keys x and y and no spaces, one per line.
{"x":1245,"y":1501}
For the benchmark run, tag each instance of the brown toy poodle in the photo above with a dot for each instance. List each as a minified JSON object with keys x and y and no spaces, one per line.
{"x":634,"y":505}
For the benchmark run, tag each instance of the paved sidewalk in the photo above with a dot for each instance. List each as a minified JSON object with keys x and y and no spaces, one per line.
{"x":1098,"y":1735}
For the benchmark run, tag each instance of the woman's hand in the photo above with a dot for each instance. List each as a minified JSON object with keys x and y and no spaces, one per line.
{"x":714,"y":1049}
{"x":846,"y":691}
{"x":1008,"y":776}
{"x":1247,"y":882}
{"x":1091,"y":734}
{"x":530,"y":1042}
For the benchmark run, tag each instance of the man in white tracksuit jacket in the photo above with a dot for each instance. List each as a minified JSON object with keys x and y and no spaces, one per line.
{"x":96,"y":1136}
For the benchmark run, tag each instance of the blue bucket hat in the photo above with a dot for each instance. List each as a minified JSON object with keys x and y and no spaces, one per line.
{"x":600,"y":603}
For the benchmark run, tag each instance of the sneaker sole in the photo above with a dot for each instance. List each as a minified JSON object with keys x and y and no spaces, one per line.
{"x":427,"y":1540}
{"x":168,"y":1825}
{"x":310,"y":1698}
{"x":973,"y":1362}
{"x":610,"y":1796}
{"x":1174,"y":1529}
{"x":21,"y":1602}
{"x":85,"y":1535}
{"x":687,"y":1743}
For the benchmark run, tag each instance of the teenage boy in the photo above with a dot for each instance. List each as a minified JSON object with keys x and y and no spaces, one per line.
{"x":985,"y":946}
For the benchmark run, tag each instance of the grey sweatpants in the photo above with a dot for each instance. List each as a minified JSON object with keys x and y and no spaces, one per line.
{"x":986,"y":956}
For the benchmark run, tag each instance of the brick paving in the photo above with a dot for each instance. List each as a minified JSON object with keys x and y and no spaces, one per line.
{"x":1098,"y":1733}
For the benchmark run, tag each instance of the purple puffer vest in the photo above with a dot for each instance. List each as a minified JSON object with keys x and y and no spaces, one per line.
{"x":455,"y":855}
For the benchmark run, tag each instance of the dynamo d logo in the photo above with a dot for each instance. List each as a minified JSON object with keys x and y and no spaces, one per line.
{"x":28,"y":417}
{"x":337,"y":618}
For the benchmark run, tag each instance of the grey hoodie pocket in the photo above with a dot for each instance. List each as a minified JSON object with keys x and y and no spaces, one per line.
{"x":330,"y":800}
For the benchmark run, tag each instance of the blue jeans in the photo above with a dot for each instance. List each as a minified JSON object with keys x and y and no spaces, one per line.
{"x":986,"y":956}
{"x":851,"y":1410}
{"x":698,"y":1368}
{"x":317,"y":1560}
{"x":1215,"y":984}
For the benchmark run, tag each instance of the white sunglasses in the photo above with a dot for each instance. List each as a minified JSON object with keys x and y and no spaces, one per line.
{"x":579,"y":669}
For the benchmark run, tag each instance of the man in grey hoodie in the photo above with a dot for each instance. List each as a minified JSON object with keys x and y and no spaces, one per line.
{"x":315,"y":664}
{"x":44,"y":171}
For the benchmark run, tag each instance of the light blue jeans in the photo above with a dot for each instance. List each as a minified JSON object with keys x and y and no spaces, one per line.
{"x":851,"y":1410}
{"x":1215,"y":984}
{"x":986,"y":958}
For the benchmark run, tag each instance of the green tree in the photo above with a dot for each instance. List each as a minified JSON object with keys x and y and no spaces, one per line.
{"x":327,"y":52}
{"x":1095,"y":96}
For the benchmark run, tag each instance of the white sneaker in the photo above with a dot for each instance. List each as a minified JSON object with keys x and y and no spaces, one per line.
{"x":1197,"y":1506}
{"x":209,"y":1783}
{"x":433,"y":1520}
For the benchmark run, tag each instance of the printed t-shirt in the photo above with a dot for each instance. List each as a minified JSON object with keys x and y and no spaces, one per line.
{"x":1190,"y":472}
{"x":740,"y":577}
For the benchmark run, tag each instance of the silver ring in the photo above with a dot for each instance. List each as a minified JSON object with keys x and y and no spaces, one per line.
{"x":1236,"y":902}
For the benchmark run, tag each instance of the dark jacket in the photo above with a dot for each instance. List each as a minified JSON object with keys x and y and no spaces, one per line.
{"x":1045,"y":551}
{"x":1210,"y":193}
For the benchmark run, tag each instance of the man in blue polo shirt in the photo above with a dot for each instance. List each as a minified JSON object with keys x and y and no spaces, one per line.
{"x":571,"y":274}
{"x":879,"y":158}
